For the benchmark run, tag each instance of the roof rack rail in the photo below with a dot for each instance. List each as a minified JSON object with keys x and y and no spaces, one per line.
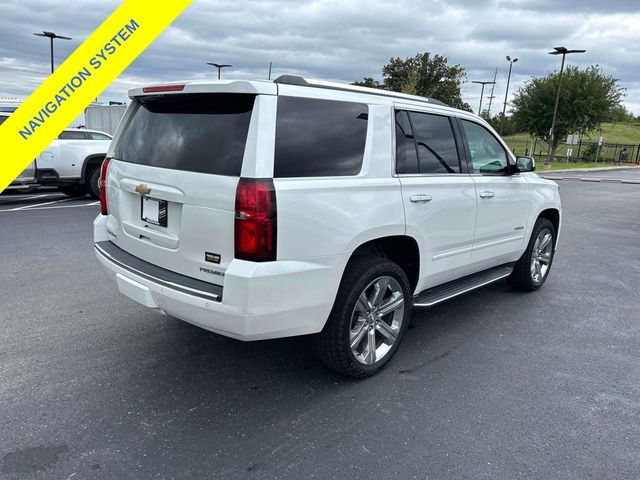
{"x":302,"y":82}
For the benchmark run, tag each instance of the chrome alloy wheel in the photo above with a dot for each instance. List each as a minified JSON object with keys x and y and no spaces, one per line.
{"x":541,"y":255}
{"x":376,"y":320}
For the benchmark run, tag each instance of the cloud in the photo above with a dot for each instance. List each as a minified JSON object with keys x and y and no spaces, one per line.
{"x":338,"y":40}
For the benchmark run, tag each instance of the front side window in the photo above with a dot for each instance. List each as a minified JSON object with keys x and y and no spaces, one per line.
{"x":487,"y":154}
{"x":316,"y":138}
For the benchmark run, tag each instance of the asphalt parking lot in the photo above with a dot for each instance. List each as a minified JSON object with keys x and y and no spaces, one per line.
{"x":492,"y":385}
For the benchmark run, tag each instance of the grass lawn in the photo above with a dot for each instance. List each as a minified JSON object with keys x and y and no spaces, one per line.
{"x":615,"y":133}
{"x":612,"y":133}
{"x":540,"y":166}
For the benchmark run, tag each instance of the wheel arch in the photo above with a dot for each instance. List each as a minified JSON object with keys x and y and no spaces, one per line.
{"x":90,"y":162}
{"x":400,"y":249}
{"x":553,"y":215}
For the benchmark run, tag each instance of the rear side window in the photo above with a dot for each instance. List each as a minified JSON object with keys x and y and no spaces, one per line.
{"x":425,"y":143}
{"x":2,"y":119}
{"x":316,"y":138}
{"x":406,"y":155}
{"x":436,"y":144}
{"x":203,"y":133}
{"x":71,"y":136}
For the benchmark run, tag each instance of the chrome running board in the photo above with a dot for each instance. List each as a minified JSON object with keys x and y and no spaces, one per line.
{"x":434,"y":295}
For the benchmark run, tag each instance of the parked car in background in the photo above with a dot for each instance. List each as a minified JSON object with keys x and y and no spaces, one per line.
{"x":71,"y":162}
{"x":260,"y":209}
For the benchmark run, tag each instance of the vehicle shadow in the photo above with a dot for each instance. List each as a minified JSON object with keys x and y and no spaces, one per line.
{"x":254,"y":400}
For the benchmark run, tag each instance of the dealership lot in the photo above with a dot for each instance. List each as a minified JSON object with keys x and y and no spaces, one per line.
{"x":494,"y":384}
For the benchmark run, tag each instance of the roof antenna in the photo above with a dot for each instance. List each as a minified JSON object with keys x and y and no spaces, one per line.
{"x":270,"y":70}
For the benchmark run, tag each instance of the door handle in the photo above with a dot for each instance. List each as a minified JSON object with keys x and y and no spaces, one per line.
{"x":420,"y":198}
{"x":487,"y":194}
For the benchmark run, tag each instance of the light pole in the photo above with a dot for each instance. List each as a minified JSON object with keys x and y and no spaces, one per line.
{"x":506,"y":93}
{"x":481,"y":92}
{"x":557,"y":51}
{"x":219,"y":66}
{"x":51,"y":36}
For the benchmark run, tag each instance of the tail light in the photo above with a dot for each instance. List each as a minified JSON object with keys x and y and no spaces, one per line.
{"x":255,"y":220}
{"x":102,"y":182}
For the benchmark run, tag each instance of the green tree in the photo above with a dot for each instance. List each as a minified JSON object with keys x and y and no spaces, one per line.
{"x":501,"y":123}
{"x":620,"y":114}
{"x":426,"y":75}
{"x":587,"y":98}
{"x":368,"y":82}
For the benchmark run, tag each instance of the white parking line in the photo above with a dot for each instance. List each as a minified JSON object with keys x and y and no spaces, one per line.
{"x":67,"y":206}
{"x":25,"y":207}
{"x":50,"y":208}
{"x":22,"y":198}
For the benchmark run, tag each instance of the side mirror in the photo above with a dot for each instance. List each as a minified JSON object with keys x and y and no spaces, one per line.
{"x":526,"y":164}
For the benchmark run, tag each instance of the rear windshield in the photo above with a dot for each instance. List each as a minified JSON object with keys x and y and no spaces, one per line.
{"x":203,"y":133}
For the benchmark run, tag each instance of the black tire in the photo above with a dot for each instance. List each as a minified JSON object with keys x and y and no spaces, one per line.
{"x":523,"y":277}
{"x":333,"y":344}
{"x":74,"y":191}
{"x":93,"y":183}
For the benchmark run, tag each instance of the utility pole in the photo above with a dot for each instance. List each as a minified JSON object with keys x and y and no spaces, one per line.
{"x":481,"y":92}
{"x":491,"y":97}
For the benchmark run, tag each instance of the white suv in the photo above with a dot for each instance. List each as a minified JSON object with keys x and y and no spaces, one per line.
{"x":262,"y":209}
{"x":71,"y":162}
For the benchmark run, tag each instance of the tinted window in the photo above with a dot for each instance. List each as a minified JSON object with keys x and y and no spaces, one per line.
{"x":77,"y":135}
{"x":198,"y":133}
{"x":436,"y":144}
{"x":98,"y":136}
{"x":2,"y":119}
{"x":487,"y":154}
{"x":406,"y":155}
{"x":319,"y":137}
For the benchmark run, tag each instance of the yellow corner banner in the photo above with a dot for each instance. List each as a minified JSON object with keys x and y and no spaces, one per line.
{"x":80,"y":79}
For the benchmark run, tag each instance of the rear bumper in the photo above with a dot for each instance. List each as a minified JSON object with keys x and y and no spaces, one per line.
{"x":258,"y":301}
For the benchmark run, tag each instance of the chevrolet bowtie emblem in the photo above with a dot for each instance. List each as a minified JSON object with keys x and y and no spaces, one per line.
{"x":143,"y":190}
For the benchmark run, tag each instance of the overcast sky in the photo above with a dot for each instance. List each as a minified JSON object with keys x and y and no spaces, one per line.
{"x":338,"y":40}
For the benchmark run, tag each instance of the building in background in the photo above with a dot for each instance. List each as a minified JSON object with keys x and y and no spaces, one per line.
{"x":97,"y":116}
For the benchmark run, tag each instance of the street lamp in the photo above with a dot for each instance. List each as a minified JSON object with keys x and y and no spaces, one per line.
{"x":506,"y":93}
{"x":482,"y":92}
{"x":557,"y":51}
{"x":51,"y":36}
{"x":219,"y":66}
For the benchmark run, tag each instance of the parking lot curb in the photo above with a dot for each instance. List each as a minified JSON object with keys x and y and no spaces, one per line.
{"x":593,"y":180}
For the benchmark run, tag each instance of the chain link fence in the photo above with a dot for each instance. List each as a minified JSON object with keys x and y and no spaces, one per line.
{"x":580,"y":152}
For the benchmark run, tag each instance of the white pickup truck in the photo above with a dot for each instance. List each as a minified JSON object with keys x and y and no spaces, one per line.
{"x":71,"y":162}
